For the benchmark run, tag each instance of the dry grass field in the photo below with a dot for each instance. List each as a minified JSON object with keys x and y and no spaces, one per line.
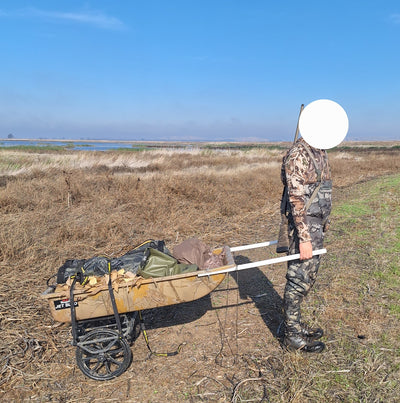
{"x":57,"y":205}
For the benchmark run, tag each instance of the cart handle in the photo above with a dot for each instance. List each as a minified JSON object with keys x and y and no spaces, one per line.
{"x":253,"y":246}
{"x":260,"y":263}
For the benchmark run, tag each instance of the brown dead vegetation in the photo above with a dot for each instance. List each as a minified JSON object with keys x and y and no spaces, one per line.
{"x":82,"y":204}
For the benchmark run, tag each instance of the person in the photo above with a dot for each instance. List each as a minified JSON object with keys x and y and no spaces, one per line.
{"x":306,"y":176}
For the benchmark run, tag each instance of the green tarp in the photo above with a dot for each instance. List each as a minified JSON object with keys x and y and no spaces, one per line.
{"x":159,"y":264}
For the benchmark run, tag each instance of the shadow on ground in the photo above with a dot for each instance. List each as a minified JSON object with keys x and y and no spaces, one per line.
{"x":252,"y":285}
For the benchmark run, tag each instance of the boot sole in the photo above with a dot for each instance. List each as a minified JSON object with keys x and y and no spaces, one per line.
{"x":319,"y":348}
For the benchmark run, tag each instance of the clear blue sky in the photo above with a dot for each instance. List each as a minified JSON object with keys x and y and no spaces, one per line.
{"x":196,"y":69}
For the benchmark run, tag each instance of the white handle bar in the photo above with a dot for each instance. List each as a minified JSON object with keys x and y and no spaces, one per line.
{"x":253,"y":246}
{"x":260,"y":263}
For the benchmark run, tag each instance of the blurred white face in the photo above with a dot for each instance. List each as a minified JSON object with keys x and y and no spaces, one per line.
{"x":323,"y":124}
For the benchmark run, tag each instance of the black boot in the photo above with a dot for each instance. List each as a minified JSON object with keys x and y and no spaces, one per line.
{"x":311,"y":334}
{"x":294,"y":341}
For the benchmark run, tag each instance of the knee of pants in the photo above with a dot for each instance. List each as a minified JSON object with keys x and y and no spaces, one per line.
{"x":295,"y":287}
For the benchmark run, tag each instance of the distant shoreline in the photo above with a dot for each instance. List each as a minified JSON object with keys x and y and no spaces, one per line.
{"x":145,"y":141}
{"x":185,"y":141}
{"x":91,"y":141}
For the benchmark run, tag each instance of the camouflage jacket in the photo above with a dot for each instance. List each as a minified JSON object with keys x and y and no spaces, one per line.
{"x":299,"y":175}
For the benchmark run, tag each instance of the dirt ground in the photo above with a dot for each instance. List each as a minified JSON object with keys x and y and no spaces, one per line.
{"x":229,"y":345}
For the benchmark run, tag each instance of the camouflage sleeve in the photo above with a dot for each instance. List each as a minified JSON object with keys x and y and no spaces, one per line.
{"x":296,"y":167}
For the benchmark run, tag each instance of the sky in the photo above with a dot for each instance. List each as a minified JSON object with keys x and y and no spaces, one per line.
{"x":222,"y":70}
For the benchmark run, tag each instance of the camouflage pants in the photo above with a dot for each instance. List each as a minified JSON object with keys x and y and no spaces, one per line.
{"x":301,"y":275}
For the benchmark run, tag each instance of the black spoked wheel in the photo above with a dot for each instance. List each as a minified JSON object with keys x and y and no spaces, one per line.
{"x":102,"y":354}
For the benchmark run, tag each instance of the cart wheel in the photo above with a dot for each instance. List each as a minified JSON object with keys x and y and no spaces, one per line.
{"x":131,"y":326}
{"x":102,"y":354}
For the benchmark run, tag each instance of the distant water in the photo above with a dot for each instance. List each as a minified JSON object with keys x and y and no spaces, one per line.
{"x":73,"y":145}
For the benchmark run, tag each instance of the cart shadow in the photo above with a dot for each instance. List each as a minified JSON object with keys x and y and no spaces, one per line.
{"x":178,"y":314}
{"x":254,"y":289}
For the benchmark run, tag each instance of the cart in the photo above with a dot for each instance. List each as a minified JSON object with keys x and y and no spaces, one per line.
{"x":105,"y":318}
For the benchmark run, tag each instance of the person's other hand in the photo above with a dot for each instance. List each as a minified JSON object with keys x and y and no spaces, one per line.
{"x":305,"y":250}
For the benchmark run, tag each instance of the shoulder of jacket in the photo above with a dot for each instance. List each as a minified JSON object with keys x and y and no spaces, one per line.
{"x":296,"y":150}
